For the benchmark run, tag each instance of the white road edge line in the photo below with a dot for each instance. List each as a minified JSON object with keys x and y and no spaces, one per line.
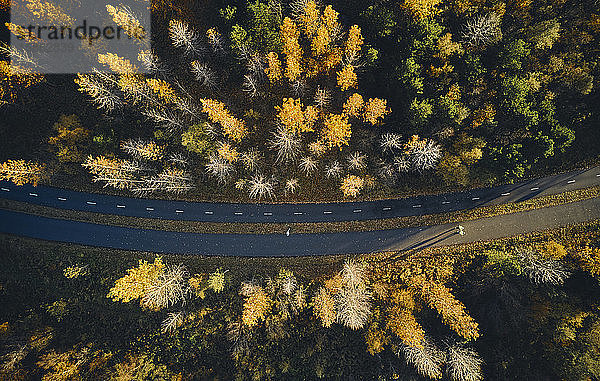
{"x":61,"y":199}
{"x":90,"y":202}
{"x":6,"y":189}
{"x":33,"y":194}
{"x":570,"y":181}
{"x":120,"y":206}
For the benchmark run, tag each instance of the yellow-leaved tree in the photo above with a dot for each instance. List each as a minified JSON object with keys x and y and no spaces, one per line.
{"x":22,"y":172}
{"x":136,"y":283}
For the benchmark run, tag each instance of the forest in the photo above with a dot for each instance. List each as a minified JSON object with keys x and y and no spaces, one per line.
{"x":267,"y":100}
{"x":512,"y":309}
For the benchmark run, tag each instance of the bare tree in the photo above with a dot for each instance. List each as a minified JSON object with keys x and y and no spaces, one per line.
{"x":183,"y":36}
{"x":353,"y":306}
{"x":333,"y":170}
{"x":464,"y":364}
{"x":482,"y":30}
{"x":390,"y":142}
{"x":357,"y":161}
{"x":219,"y":168}
{"x":169,"y":180}
{"x":402,"y":163}
{"x":291,"y":185}
{"x":250,"y":86}
{"x":322,"y":98}
{"x":286,"y":143}
{"x":251,"y":159}
{"x":427,"y":358}
{"x":204,"y":74}
{"x":166,"y":119}
{"x":151,"y":62}
{"x":426,"y":155}
{"x":100,"y":88}
{"x":542,"y":271}
{"x":179,"y":159}
{"x":260,"y":187}
{"x":169,"y":288}
{"x":308,"y":165}
{"x":173,"y":321}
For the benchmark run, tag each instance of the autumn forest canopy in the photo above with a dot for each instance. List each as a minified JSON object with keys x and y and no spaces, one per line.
{"x":310,"y":100}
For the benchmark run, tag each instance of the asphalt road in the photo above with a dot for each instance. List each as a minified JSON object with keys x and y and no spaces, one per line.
{"x":301,"y":212}
{"x":273,"y":245}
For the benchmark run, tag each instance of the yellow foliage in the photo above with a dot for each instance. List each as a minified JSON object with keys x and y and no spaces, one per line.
{"x":74,"y":272}
{"x":256,"y":306}
{"x":321,"y":40}
{"x":291,"y":48}
{"x":330,"y":19}
{"x":590,"y":260}
{"x":336,"y":131}
{"x":353,"y":107}
{"x":451,"y":310}
{"x":324,"y":307}
{"x":273,"y":69}
{"x":162,"y":89}
{"x":49,"y":12}
{"x":346,"y":78}
{"x":309,"y":20}
{"x":421,"y":9}
{"x":130,"y":24}
{"x":70,"y":137}
{"x":22,"y":33}
{"x":4,"y":327}
{"x":117,"y":64}
{"x":375,"y":110}
{"x":354,"y":41}
{"x":376,"y":339}
{"x":295,"y":119}
{"x":22,"y":172}
{"x":351,"y":186}
{"x":402,"y":323}
{"x":483,"y":115}
{"x":227,"y":152}
{"x":137,"y":281}
{"x":14,"y":78}
{"x":446,"y":47}
{"x":232,"y":127}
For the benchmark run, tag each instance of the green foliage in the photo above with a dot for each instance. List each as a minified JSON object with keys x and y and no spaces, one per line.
{"x":410,"y":75}
{"x":509,"y":161}
{"x":228,"y":13}
{"x":516,"y":98}
{"x":196,"y":139}
{"x":512,"y":55}
{"x":502,"y":263}
{"x":380,"y":19}
{"x":259,"y":30}
{"x":420,"y":111}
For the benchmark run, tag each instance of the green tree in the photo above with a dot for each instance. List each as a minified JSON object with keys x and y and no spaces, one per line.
{"x":196,"y":139}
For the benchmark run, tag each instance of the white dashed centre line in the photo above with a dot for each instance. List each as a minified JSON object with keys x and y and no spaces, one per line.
{"x":120,"y":206}
{"x":61,"y":199}
{"x":417,"y":206}
{"x":475,"y":198}
{"x":150,"y":209}
{"x":357,"y":210}
{"x":570,"y":181}
{"x":387,"y":208}
{"x":238,"y":213}
{"x":298,"y":213}
{"x":534,"y":188}
{"x":179,"y":211}
{"x":208,"y":212}
{"x":445,"y":202}
{"x":327,"y":212}
{"x":267,"y":213}
{"x":90,"y":202}
{"x":5,"y":189}
{"x":33,"y":194}
{"x":598,"y":175}
{"x":505,"y":194}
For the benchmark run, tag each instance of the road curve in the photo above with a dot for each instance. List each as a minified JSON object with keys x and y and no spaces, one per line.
{"x":300,"y":212}
{"x":274,"y":245}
